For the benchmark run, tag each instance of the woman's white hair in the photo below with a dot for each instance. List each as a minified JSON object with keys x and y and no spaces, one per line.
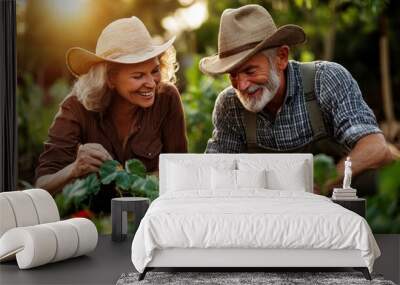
{"x":92,"y":89}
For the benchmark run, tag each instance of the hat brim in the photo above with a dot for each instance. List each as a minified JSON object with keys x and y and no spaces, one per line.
{"x":286,"y":35}
{"x":80,"y":60}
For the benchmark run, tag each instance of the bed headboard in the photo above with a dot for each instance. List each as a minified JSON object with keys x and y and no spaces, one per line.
{"x":210,"y":159}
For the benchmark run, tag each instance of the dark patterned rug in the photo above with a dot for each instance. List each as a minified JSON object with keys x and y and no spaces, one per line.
{"x":230,"y":278}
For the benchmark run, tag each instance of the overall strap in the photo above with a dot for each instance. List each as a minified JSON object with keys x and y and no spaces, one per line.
{"x":307,"y":71}
{"x":250,"y":126}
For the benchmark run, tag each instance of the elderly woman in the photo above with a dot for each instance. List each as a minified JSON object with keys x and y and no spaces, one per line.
{"x":121,"y":107}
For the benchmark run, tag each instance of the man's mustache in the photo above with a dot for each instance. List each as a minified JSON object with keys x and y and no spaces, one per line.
{"x":253,"y":88}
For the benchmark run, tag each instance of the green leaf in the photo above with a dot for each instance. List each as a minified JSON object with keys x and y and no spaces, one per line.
{"x":81,"y":190}
{"x":92,"y":184}
{"x":145,"y":187}
{"x":109,"y":171}
{"x":71,"y":191}
{"x":123,"y":180}
{"x":151,"y":184}
{"x":135,"y":166}
{"x":63,"y":208}
{"x":138,"y":182}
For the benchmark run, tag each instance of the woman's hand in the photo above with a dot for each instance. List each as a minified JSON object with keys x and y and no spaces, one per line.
{"x":89,"y":158}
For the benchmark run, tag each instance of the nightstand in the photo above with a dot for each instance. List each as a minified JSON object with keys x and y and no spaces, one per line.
{"x":119,"y":208}
{"x":358,"y":205}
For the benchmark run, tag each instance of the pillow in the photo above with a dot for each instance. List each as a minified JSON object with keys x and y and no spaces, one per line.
{"x":193,"y":175}
{"x":251,"y":178}
{"x":290,"y":179}
{"x":223,"y":179}
{"x":182,"y":177}
{"x":282,"y":174}
{"x":228,"y":179}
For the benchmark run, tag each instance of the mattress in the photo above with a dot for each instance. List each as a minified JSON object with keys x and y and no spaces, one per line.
{"x":251,"y":219}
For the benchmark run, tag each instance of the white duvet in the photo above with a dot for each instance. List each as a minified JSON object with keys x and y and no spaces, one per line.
{"x":250,"y":219}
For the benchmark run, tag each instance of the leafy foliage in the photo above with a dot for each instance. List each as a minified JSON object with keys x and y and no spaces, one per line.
{"x":198,"y":100}
{"x":324,"y":170}
{"x":81,"y":191}
{"x":132,"y":179}
{"x":383,"y":209}
{"x":134,"y":166}
{"x":35,"y":112}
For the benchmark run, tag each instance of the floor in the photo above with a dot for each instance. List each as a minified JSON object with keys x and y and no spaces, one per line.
{"x":110,"y":260}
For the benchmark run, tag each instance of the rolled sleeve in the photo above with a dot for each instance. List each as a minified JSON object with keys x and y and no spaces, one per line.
{"x":341,"y":97}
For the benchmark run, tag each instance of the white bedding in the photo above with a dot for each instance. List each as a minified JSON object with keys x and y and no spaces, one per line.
{"x":252,"y":218}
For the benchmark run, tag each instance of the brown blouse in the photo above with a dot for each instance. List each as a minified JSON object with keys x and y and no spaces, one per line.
{"x":160,"y":129}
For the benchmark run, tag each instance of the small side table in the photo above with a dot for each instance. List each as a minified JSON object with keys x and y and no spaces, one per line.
{"x":358,"y":205}
{"x":119,"y":216}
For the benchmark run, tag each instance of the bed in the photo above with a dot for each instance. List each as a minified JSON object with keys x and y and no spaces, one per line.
{"x":247,"y":210}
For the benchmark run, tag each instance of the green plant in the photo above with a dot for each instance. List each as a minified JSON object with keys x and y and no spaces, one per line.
{"x":198,"y":99}
{"x":36,"y":109}
{"x":131,"y":179}
{"x":324,"y":171}
{"x":383,"y":209}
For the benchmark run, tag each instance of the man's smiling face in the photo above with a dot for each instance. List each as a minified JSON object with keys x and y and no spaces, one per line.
{"x":256,"y":82}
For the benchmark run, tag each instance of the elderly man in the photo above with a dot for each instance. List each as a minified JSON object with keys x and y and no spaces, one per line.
{"x":277,"y":105}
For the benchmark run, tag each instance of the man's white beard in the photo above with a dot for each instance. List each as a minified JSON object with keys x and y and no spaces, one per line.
{"x":269,"y":89}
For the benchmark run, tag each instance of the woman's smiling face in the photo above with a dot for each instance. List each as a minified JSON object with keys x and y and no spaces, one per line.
{"x":137,"y":82}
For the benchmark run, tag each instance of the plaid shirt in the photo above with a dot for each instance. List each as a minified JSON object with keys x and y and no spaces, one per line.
{"x":346,"y":116}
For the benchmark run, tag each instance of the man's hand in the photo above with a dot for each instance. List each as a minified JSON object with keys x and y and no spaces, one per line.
{"x":89,"y":158}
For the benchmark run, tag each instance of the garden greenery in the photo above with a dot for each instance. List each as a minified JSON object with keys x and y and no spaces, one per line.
{"x":131,"y":179}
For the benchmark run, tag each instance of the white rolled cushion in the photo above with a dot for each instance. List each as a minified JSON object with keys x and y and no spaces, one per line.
{"x":223,"y":179}
{"x":67,"y":240}
{"x":33,"y":245}
{"x":23,"y":208}
{"x":251,"y":178}
{"x":40,"y":244}
{"x":7,"y":218}
{"x":45,"y":205}
{"x":87,"y":235}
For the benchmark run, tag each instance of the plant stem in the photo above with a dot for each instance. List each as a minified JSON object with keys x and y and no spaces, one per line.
{"x":119,"y":191}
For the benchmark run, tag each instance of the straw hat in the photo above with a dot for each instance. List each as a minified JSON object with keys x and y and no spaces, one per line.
{"x":245,"y":31}
{"x":123,"y":41}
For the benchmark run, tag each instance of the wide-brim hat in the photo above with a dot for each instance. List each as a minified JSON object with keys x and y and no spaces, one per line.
{"x":245,"y":31}
{"x":123,"y":41}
